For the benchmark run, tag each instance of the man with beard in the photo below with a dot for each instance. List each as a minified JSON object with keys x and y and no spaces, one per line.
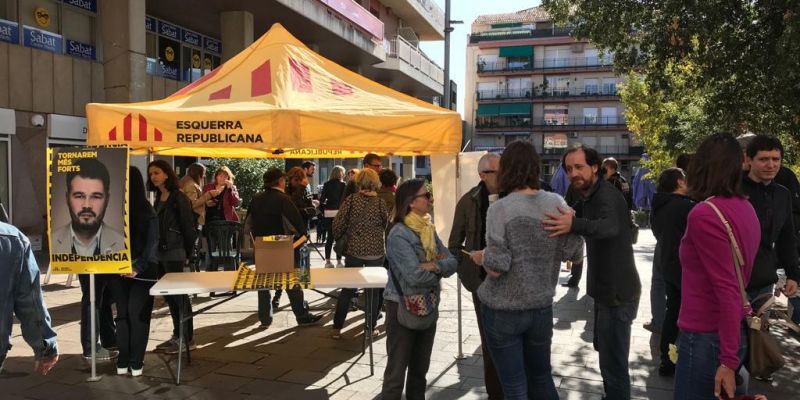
{"x":612,"y":281}
{"x":87,"y":235}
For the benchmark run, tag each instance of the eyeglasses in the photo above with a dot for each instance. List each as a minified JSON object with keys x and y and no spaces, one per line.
{"x":488,"y":171}
{"x":376,"y":165}
{"x":427,"y":195}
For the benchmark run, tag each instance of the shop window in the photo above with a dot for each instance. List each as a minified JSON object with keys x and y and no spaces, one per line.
{"x":79,"y":33}
{"x":169,"y":58}
{"x":8,"y":10}
{"x":40,"y":14}
{"x":192,"y":64}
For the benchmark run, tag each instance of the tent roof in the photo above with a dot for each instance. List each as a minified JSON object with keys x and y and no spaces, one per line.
{"x":277,"y":98}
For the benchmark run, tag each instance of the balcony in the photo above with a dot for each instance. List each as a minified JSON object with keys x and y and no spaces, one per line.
{"x":424,"y":16}
{"x":588,"y":93}
{"x":549,"y":65}
{"x":515,"y":34}
{"x":414,"y":64}
{"x":614,"y":150}
{"x":516,"y":122}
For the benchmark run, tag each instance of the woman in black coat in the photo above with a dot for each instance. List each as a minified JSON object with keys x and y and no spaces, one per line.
{"x":132,"y":291}
{"x":330,"y":199}
{"x":177,"y":234}
{"x":671,"y":209}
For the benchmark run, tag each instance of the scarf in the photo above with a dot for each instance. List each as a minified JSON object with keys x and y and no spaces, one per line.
{"x":422,"y":226}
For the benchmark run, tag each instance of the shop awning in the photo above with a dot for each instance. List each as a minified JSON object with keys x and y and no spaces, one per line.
{"x":277,"y":98}
{"x":516,"y":51}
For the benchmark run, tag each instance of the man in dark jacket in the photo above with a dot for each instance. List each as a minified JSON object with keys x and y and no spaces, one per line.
{"x":268,"y":210}
{"x":612,"y":175}
{"x":773,"y":205}
{"x":469,"y":233}
{"x":612,"y":281}
{"x":671,"y":209}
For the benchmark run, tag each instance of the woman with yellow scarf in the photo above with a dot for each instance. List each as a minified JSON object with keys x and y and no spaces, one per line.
{"x":417,"y":261}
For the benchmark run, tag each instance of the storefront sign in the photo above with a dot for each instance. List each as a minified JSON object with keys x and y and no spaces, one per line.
{"x":9,"y":31}
{"x":82,"y":50}
{"x":42,"y":16}
{"x":169,"y":30}
{"x":88,"y":5}
{"x":212,"y":45}
{"x":192,"y":38}
{"x":150,"y":24}
{"x":66,"y":127}
{"x":43,"y":40}
{"x":169,"y":58}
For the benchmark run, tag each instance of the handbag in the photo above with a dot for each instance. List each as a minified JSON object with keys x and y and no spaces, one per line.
{"x":340,"y":244}
{"x":764,"y":355}
{"x":418,"y":312}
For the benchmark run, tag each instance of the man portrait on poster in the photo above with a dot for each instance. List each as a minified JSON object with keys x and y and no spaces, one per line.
{"x":87,"y":195}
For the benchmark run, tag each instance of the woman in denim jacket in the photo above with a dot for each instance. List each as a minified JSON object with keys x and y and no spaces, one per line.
{"x":418,"y":259}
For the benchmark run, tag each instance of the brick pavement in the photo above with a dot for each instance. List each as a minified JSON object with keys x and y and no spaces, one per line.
{"x":236,"y":359}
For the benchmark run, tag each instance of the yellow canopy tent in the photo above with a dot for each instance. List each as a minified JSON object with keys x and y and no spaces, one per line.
{"x":277,"y":98}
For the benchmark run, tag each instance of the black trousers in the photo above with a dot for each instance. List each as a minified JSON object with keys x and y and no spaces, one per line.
{"x":493,"y":387}
{"x":134,"y":311}
{"x":175,"y":302}
{"x":328,"y":224}
{"x":296,"y":299}
{"x":409,"y":353}
{"x":104,"y":318}
{"x":575,"y":274}
{"x":669,"y":329}
{"x":346,"y":294}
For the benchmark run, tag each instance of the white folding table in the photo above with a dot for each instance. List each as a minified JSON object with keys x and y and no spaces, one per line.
{"x":189,"y":283}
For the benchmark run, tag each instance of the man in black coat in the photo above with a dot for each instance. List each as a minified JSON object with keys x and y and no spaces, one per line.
{"x":469,"y":233}
{"x":671,"y":209}
{"x":269,"y":211}
{"x":773,"y":205}
{"x":612,"y":280}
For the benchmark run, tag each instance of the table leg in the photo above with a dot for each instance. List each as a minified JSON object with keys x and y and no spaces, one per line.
{"x":180,"y":339}
{"x":370,"y":293}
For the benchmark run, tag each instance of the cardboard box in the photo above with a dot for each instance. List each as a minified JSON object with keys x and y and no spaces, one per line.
{"x":273,"y":254}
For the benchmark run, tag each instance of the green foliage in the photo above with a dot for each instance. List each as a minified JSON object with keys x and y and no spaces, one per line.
{"x":248,"y":173}
{"x":702,"y":66}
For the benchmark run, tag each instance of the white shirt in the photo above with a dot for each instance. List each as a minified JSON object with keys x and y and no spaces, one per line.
{"x":86,"y":250}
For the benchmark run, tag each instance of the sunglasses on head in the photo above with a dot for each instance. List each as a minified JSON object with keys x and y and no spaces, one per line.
{"x":427,"y":195}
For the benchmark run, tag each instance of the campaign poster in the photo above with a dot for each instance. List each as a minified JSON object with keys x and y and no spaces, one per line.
{"x":87,"y":211}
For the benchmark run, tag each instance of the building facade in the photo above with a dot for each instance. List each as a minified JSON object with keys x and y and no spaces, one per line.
{"x":58,"y":55}
{"x":529,"y":79}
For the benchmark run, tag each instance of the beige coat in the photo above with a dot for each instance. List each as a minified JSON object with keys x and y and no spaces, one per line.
{"x":192,"y":190}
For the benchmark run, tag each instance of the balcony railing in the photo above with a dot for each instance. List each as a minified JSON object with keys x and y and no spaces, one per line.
{"x":519,"y":34}
{"x":603,"y":150}
{"x":434,"y":11}
{"x":548,"y":64}
{"x":538,"y":93}
{"x":524,"y":121}
{"x":403,"y":50}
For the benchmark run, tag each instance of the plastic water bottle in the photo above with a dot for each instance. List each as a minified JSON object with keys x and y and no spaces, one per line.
{"x":304,"y":275}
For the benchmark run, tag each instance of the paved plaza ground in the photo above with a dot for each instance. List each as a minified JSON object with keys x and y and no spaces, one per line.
{"x":236,"y":359}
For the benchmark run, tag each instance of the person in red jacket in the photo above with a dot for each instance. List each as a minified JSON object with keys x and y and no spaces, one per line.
{"x":222,"y":207}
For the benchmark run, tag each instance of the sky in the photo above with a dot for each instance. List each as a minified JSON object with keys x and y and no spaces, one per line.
{"x":467,"y":11}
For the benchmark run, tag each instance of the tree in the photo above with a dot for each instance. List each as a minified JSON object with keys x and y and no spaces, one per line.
{"x":743,"y":55}
{"x":248,"y":172}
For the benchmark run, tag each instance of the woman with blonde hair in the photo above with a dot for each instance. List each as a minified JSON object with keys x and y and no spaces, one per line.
{"x":222,"y":207}
{"x":192,"y":186}
{"x":363,"y":216}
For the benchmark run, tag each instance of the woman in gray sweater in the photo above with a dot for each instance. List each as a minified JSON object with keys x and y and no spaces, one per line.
{"x":522,"y":264}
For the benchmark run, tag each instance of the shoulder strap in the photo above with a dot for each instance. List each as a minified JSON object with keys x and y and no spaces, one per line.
{"x":738,"y":260}
{"x":395,"y":281}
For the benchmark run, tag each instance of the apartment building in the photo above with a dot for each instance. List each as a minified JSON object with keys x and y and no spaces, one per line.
{"x":529,"y":79}
{"x":58,"y":55}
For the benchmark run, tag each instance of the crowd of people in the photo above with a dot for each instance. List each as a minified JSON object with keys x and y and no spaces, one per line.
{"x":509,"y":237}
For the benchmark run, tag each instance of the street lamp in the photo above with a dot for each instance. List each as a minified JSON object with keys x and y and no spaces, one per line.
{"x":448,"y":28}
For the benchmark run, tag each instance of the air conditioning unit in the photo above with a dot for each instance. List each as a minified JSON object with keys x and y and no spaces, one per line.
{"x":576,"y":48}
{"x":573,"y":135}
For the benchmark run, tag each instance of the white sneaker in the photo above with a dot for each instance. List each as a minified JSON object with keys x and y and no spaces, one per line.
{"x":328,"y":264}
{"x":136,"y":372}
{"x":122,"y":371}
{"x":339,"y":264}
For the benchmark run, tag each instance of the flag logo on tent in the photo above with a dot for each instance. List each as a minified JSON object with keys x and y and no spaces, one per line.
{"x":127,"y":130}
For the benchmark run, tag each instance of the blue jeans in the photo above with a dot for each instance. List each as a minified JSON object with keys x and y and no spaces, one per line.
{"x":612,"y":340}
{"x":698,"y":360}
{"x":519,"y":343}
